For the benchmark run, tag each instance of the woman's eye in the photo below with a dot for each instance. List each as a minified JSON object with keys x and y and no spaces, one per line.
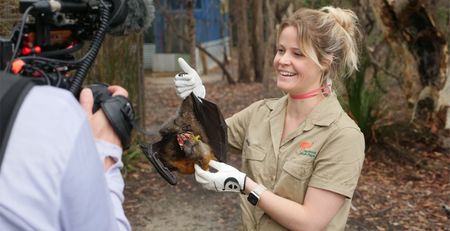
{"x":280,"y":51}
{"x":298,"y":54}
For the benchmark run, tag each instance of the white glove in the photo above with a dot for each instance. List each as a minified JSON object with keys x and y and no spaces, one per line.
{"x":188,"y":82}
{"x":226,"y":179}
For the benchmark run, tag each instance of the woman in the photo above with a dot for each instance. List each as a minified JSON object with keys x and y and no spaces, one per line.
{"x":301,"y":154}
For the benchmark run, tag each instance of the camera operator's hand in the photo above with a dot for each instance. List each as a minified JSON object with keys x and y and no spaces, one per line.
{"x":100,"y":125}
{"x":188,"y":82}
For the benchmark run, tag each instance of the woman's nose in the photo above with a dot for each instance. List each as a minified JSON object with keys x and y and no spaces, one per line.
{"x":284,"y":59}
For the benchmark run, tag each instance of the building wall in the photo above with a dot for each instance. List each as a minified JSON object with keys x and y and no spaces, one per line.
{"x":167,"y":62}
{"x":211,"y":22}
{"x":149,"y":52}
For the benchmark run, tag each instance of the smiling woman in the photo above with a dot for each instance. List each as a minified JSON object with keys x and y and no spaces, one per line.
{"x":302,"y":154}
{"x":320,"y":48}
{"x":296,"y":73}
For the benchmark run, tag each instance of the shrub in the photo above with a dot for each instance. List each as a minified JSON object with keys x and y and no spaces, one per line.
{"x":363,"y":100}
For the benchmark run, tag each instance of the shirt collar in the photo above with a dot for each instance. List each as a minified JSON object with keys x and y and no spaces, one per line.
{"x":276,"y":106}
{"x":326,"y":112}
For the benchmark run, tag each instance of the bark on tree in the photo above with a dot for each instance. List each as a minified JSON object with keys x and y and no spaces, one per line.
{"x":270,"y":81}
{"x":239,"y":11}
{"x":120,"y":61}
{"x":411,"y":32}
{"x":225,"y":27}
{"x":9,"y":16}
{"x":258,"y":40}
{"x":191,"y":31}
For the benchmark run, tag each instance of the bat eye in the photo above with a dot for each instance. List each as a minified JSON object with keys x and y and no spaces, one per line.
{"x":187,"y":128}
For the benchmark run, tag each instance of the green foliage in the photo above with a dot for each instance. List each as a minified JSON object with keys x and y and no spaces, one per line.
{"x":363,"y":101}
{"x":441,"y":14}
{"x":132,"y":156}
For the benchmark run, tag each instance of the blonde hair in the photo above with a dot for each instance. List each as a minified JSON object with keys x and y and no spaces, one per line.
{"x":330,"y":37}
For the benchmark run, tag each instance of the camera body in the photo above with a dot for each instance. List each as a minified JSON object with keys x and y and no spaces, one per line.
{"x":43,"y":45}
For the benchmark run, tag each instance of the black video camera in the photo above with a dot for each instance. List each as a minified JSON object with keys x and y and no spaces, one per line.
{"x":42,"y":46}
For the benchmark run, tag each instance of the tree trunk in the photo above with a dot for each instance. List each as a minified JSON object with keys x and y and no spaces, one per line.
{"x":443,"y":111}
{"x":413,"y":36}
{"x":239,"y":11}
{"x":191,"y":31}
{"x":225,"y":27}
{"x":9,"y":16}
{"x":120,"y":61}
{"x":258,"y":40}
{"x":270,"y":81}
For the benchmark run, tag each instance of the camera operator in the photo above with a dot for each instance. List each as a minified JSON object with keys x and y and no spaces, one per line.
{"x":60,"y":162}
{"x":61,"y":166}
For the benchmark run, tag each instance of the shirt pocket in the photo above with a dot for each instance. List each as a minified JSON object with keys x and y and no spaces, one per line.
{"x":298,"y":171}
{"x":254,"y":153}
{"x":293,"y":181}
{"x":253,"y":163}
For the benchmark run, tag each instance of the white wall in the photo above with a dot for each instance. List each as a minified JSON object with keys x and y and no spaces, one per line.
{"x":165,"y":62}
{"x":216,"y":48}
{"x":149,"y":51}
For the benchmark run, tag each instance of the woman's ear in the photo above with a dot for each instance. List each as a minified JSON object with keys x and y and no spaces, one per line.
{"x":326,"y":65}
{"x":327,"y":61}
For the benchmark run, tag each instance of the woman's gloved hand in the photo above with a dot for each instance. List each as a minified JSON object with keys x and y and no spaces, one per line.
{"x":226,"y":179}
{"x":188,"y":81}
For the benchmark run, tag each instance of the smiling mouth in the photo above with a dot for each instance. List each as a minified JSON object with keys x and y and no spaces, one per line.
{"x":286,"y":73}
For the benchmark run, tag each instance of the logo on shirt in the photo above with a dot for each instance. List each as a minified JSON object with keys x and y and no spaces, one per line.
{"x":305,"y":149}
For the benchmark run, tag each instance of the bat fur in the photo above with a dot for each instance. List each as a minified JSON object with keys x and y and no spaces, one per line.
{"x":194,"y":150}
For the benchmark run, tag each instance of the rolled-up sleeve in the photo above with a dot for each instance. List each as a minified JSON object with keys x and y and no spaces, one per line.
{"x":114,"y":180}
{"x":338,"y":166}
{"x":238,"y":124}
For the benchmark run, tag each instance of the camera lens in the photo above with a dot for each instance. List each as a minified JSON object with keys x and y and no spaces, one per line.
{"x":58,"y":19}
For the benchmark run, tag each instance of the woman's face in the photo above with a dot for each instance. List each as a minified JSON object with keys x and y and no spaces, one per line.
{"x":296,"y":73}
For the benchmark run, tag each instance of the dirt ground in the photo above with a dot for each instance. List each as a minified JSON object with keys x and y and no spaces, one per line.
{"x":391,"y":195}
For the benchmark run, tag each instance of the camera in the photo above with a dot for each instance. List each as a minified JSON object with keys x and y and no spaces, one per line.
{"x":42,"y":45}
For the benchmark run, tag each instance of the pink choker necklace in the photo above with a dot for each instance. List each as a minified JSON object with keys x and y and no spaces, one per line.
{"x":322,"y":90}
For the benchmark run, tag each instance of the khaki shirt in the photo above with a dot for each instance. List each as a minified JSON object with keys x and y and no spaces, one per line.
{"x":326,"y":151}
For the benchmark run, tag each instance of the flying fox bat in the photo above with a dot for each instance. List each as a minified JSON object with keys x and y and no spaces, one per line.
{"x":195,"y":135}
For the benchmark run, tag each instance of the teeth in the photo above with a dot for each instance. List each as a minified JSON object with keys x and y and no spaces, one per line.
{"x":286,"y":73}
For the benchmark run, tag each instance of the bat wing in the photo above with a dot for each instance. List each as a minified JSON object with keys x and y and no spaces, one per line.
{"x":151,"y":151}
{"x":211,"y":119}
